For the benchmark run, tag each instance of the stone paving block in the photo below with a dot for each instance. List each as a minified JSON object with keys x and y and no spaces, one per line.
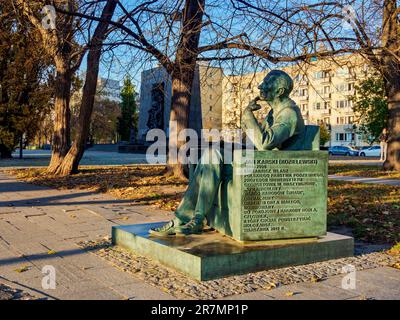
{"x":326,"y":292}
{"x":86,"y":261}
{"x":299,"y":293}
{"x":9,"y":271}
{"x":386,"y":272}
{"x":110,"y":276}
{"x":58,"y":244}
{"x":105,"y":213}
{"x":98,"y":294}
{"x":71,"y":275}
{"x":374,"y":286}
{"x":141,"y":291}
{"x":70,"y":219}
{"x":10,"y":258}
{"x":378,"y":279}
{"x":257,"y":295}
{"x":96,"y":234}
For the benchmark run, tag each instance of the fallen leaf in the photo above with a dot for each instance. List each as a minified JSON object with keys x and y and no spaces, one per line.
{"x":51,"y":252}
{"x":289,"y":294}
{"x":396,"y":266}
{"x":270,"y":286}
{"x":23,"y":269}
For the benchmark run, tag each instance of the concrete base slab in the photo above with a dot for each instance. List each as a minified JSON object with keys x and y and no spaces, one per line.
{"x":211,"y":255}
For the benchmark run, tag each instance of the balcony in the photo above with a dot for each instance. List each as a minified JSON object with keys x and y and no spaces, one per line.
{"x":351,"y":76}
{"x":303,"y":83}
{"x":348,"y":127}
{"x":326,"y":96}
{"x":326,"y":80}
{"x":325,"y":112}
{"x":350,"y":92}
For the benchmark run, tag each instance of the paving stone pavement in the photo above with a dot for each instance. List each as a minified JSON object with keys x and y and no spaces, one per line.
{"x":372,"y":284}
{"x":40,"y":227}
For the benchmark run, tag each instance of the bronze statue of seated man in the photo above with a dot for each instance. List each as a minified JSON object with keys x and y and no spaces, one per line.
{"x":282,"y":129}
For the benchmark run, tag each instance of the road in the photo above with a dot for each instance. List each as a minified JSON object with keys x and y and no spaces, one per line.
{"x":41,"y":158}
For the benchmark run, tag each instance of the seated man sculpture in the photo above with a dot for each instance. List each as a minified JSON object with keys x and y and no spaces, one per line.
{"x":283,"y":129}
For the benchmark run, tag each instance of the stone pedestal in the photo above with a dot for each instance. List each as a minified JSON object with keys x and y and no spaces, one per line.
{"x":212,"y":255}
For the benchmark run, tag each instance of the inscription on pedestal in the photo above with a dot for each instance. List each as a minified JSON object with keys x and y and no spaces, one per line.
{"x":285,"y":197}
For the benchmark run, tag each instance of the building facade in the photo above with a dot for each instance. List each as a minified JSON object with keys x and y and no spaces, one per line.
{"x":322,"y":89}
{"x":109,"y":88}
{"x":156,"y":94}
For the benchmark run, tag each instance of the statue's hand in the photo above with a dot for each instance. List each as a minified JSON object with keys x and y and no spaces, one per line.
{"x":253,"y":105}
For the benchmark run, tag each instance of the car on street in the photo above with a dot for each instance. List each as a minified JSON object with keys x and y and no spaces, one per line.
{"x":342,"y":151}
{"x":374,"y":151}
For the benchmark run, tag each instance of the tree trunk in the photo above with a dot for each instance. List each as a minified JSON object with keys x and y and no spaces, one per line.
{"x":393,"y":153}
{"x":391,"y":74}
{"x":179,"y":120}
{"x":70,"y":163}
{"x":61,"y":134}
{"x":5,"y":153}
{"x":182,"y":81}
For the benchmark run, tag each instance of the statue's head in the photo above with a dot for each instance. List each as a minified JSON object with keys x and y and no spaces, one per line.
{"x":277,"y":84}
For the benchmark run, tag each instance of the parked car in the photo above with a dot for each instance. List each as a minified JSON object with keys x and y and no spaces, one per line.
{"x":342,"y":151}
{"x":374,"y":151}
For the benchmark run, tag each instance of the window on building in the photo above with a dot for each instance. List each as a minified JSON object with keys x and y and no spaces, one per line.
{"x":322,"y":74}
{"x":327,"y":105}
{"x":211,"y":108}
{"x":303,"y":92}
{"x":340,"y":120}
{"x":344,"y":104}
{"x":340,"y":136}
{"x":341,"y":72}
{"x":327,"y":89}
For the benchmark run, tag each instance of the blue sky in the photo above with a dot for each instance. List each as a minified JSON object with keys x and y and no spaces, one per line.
{"x":124,"y":60}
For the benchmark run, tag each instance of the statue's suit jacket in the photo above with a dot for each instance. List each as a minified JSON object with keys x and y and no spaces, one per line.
{"x":282,"y":129}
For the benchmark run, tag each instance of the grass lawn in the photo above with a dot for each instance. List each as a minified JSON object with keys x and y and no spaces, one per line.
{"x":372,"y":211}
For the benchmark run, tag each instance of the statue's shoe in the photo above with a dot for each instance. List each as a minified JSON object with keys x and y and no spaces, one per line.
{"x":166,"y":230}
{"x":194,"y":226}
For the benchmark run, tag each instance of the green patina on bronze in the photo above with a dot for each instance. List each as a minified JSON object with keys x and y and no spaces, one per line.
{"x":267,"y":209}
{"x":210,"y":255}
{"x":229,"y":201}
{"x":284,"y":197}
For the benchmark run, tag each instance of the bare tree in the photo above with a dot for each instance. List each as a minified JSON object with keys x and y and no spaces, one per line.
{"x":59,"y":44}
{"x":327,"y":29}
{"x":60,"y":41}
{"x":71,"y":160}
{"x":171,"y":32}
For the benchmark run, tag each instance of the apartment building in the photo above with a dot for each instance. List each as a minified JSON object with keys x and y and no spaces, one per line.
{"x":322,"y":89}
